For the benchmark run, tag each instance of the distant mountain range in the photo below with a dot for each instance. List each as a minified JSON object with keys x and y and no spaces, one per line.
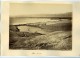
{"x":63,"y":15}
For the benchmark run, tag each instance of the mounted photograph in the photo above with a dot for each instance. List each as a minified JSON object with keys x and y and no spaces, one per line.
{"x":40,"y":26}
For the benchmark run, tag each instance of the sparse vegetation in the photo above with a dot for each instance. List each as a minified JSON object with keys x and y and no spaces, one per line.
{"x":58,"y":37}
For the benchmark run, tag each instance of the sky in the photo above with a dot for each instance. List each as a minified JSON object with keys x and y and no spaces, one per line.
{"x":24,"y":9}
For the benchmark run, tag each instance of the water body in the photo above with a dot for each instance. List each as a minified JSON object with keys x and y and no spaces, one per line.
{"x":31,"y":29}
{"x":28,"y":20}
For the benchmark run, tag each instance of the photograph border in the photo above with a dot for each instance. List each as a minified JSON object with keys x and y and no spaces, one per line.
{"x":5,"y":38}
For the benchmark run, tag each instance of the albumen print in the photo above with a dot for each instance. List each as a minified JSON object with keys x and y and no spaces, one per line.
{"x":40,"y":26}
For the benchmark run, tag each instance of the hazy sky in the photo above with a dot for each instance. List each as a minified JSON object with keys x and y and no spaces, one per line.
{"x":23,"y":9}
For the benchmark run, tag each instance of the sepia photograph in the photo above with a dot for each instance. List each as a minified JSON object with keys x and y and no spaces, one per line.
{"x":40,"y":26}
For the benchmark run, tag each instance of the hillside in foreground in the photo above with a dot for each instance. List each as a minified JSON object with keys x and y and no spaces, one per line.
{"x":58,"y":40}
